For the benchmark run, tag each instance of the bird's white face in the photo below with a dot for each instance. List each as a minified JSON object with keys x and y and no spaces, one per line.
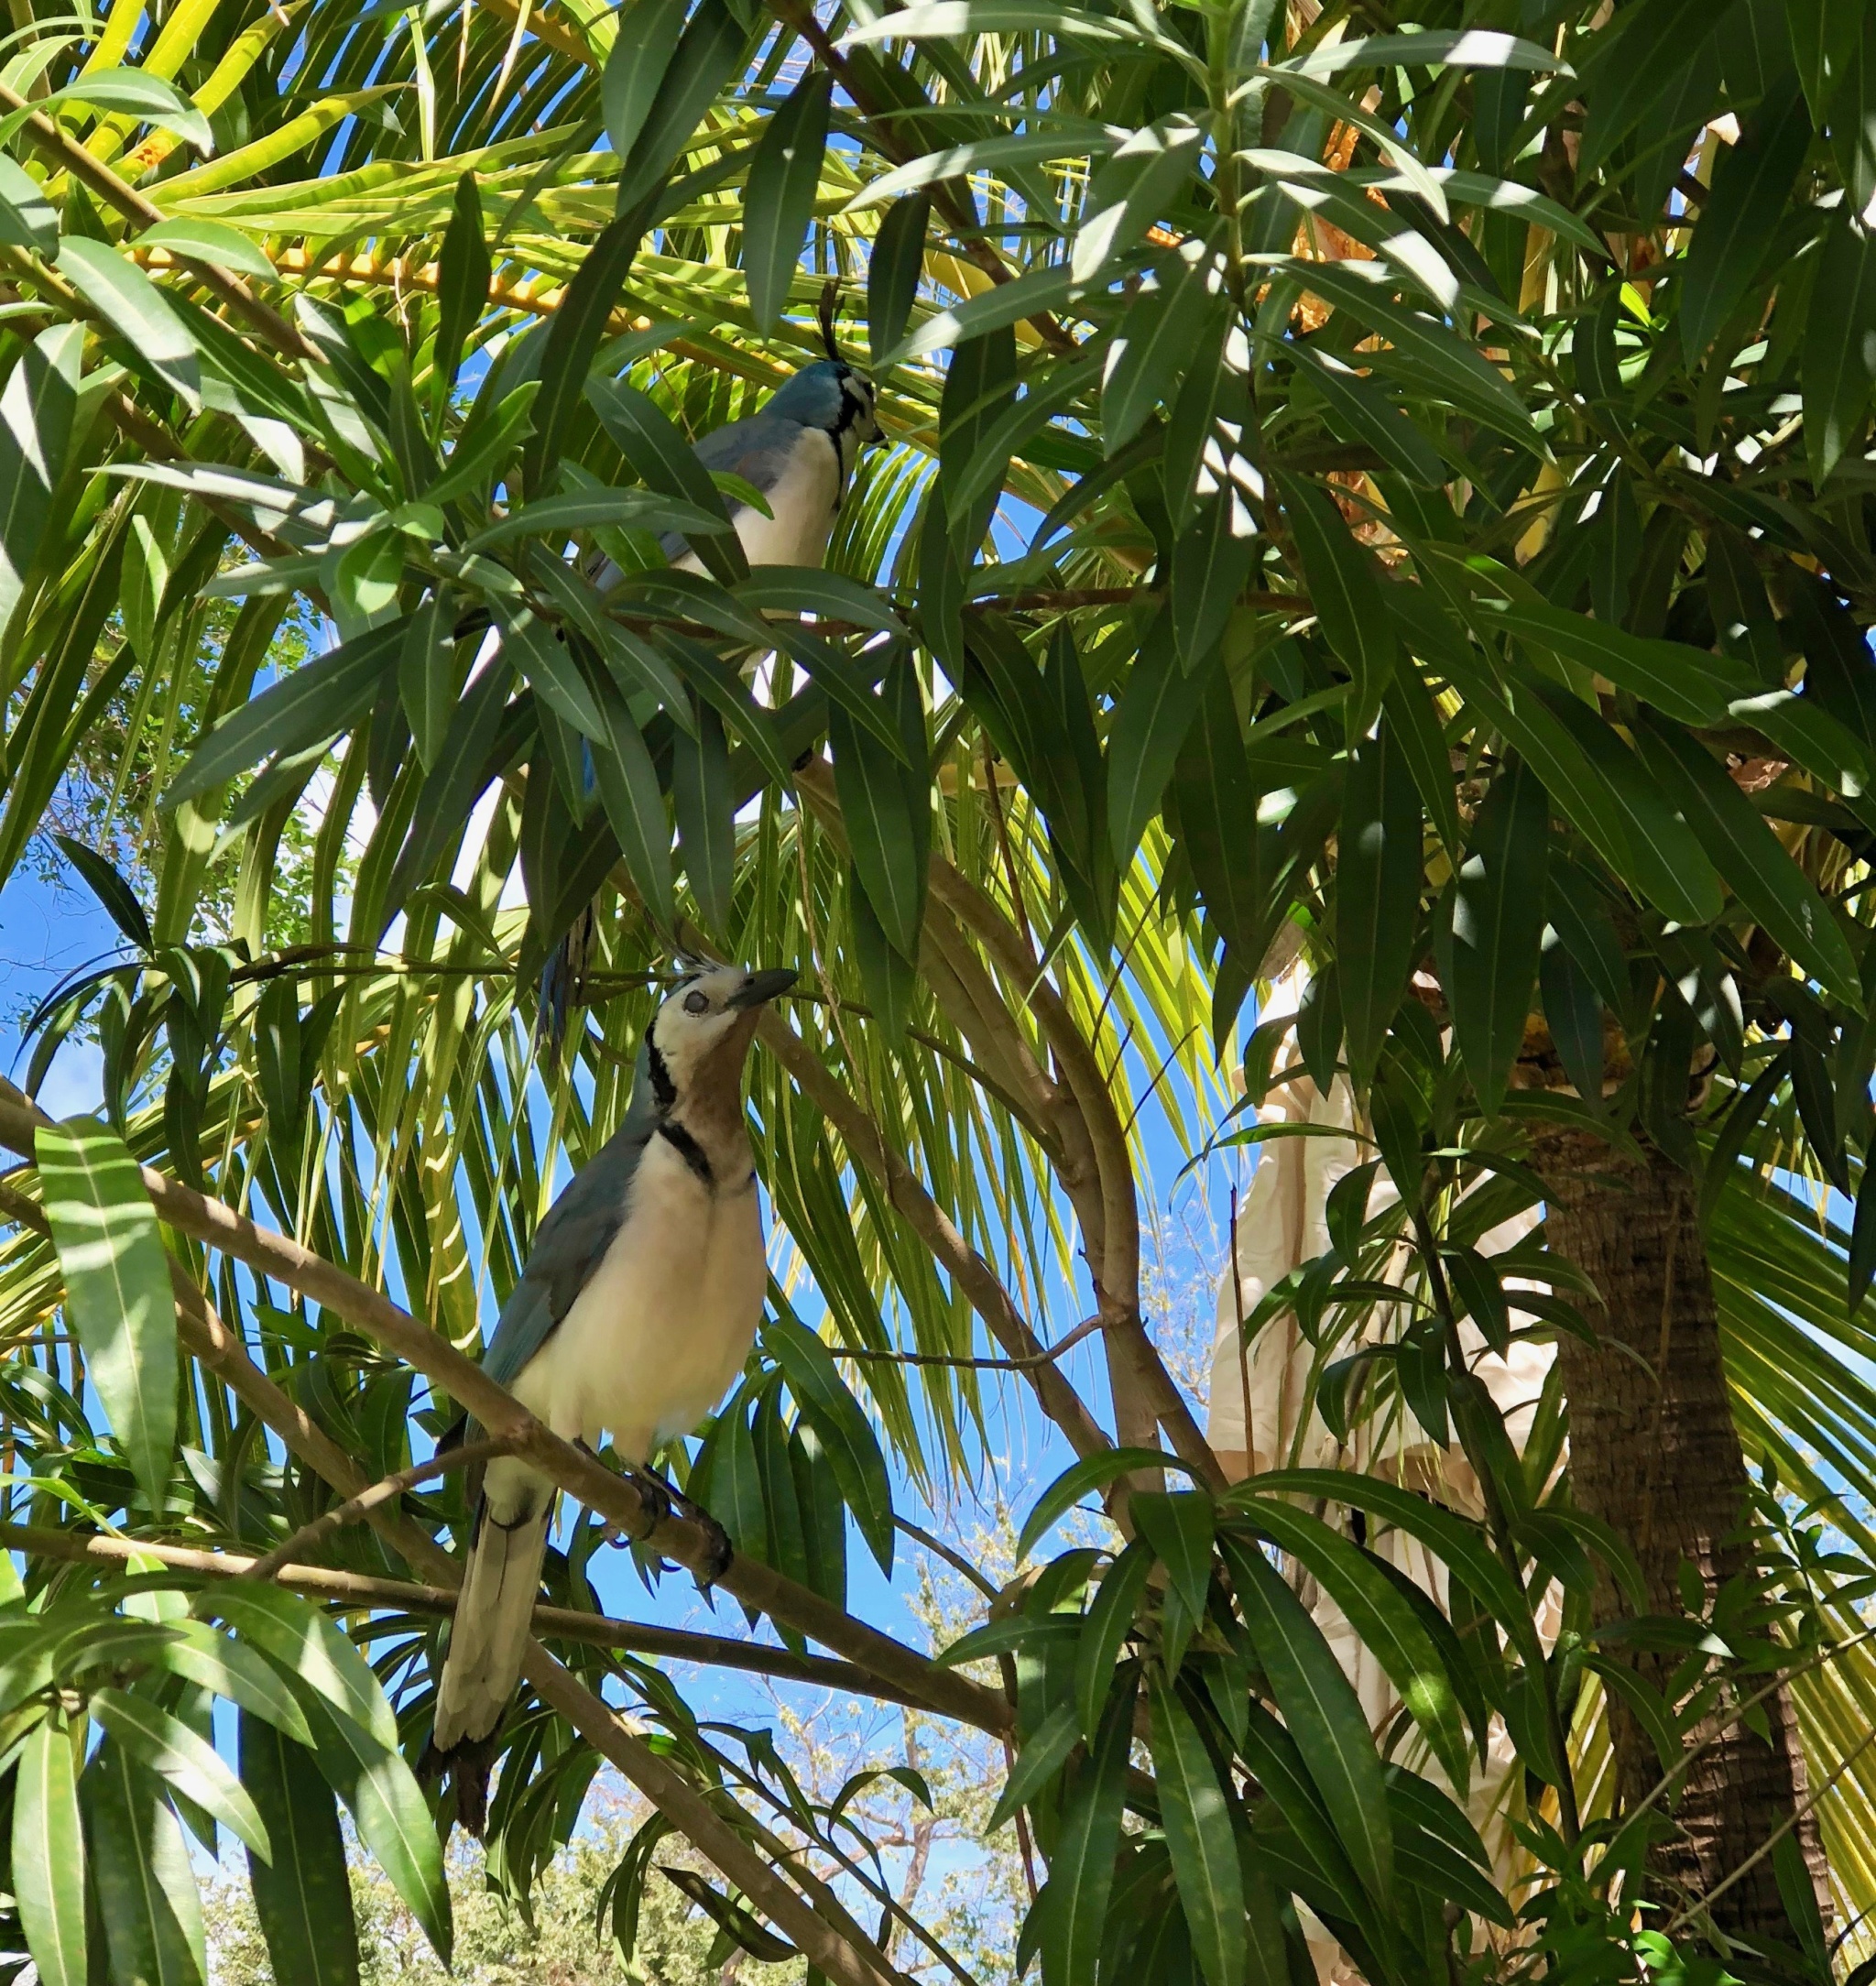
{"x":707,"y":1021}
{"x":860,"y":420}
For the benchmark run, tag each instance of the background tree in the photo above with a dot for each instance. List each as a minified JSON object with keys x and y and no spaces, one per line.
{"x":1394,"y":489}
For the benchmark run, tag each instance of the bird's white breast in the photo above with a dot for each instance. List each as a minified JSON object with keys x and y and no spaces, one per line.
{"x":667,"y":1318}
{"x":804,"y":501}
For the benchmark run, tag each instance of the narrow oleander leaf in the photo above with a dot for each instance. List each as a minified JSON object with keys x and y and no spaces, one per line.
{"x":118,"y":1295}
{"x":1092,"y":1472}
{"x":396,"y":1826}
{"x":578,"y":327}
{"x":308,"y":1646}
{"x":1387,"y":1623}
{"x":1377,"y":895}
{"x":660,"y":456}
{"x":317,"y":701}
{"x":1753,"y":861}
{"x":1081,"y":1869}
{"x":1346,"y":591}
{"x":233,"y":1670}
{"x":627,"y":782}
{"x":48,"y":1855}
{"x":150,"y":1908}
{"x":36,"y":407}
{"x":1839,"y":355}
{"x":137,"y":311}
{"x":1044,"y":1753}
{"x":713,"y":48}
{"x":1179,"y":1526}
{"x":463,"y":271}
{"x":1211,"y":563}
{"x":705,"y":803}
{"x":643,"y":44}
{"x":892,"y":273}
{"x":303,"y":1896}
{"x":192,"y":1768}
{"x":1201,"y":1837}
{"x":784,"y":177}
{"x":1498,"y":923}
{"x":1156,"y":713}
{"x":1107,"y":1626}
{"x":1743,"y":212}
{"x":852,"y":1447}
{"x":1322,"y":1713}
{"x":882,"y":808}
{"x":111,"y":890}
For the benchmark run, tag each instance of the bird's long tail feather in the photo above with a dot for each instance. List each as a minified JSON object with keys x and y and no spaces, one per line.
{"x":490,"y":1631}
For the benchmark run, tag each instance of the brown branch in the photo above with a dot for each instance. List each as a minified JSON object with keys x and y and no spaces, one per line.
{"x":612,"y":1495}
{"x":866,"y":1144}
{"x":822,"y":1930}
{"x":354,"y":1508}
{"x":360,"y":1592}
{"x":115,"y":192}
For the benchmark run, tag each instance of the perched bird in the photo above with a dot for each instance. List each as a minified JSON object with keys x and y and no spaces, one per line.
{"x":638,"y":1307}
{"x":798,"y":453}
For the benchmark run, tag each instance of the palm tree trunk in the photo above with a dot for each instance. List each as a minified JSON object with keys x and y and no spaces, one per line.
{"x":1653,"y":1453}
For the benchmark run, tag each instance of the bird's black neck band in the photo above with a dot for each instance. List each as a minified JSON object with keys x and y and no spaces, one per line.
{"x":664,"y":1092}
{"x":687,"y":1149}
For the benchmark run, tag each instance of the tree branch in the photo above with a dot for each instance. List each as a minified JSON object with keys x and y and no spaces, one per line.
{"x":387,"y":1491}
{"x":360,"y":1590}
{"x":503,"y":1417}
{"x":966,"y":1268}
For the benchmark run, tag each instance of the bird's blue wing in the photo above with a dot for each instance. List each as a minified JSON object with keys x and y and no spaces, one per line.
{"x":569,"y":1244}
{"x":757,"y":450}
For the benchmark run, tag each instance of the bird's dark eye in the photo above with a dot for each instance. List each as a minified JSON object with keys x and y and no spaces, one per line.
{"x":696,"y":1003}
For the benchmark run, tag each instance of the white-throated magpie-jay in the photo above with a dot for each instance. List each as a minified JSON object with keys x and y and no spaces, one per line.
{"x":638,"y":1307}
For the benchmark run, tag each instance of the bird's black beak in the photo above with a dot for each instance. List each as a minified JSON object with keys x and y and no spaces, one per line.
{"x":760,"y":987}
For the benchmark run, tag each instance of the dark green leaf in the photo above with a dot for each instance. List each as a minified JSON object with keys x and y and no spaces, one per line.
{"x":146,"y":1889}
{"x":1210,"y":565}
{"x":659,"y":454}
{"x":1345,"y":594}
{"x":1741,"y":219}
{"x":1081,"y":1869}
{"x":709,"y":53}
{"x":1179,"y":1527}
{"x":308,"y":1647}
{"x":1386,"y":1623}
{"x":579,"y":325}
{"x":1772,"y":888}
{"x":191,"y":1767}
{"x":317,"y":701}
{"x":1498,"y":920}
{"x":111,"y":890}
{"x":783,"y":181}
{"x":705,"y":810}
{"x":1092,"y":1472}
{"x":1107,"y":1624}
{"x":892,"y":273}
{"x":396,"y":1826}
{"x":1322,"y":1713}
{"x":1156,"y":712}
{"x":853,"y":1449}
{"x":1201,"y":1837}
{"x":1377,"y":895}
{"x":627,"y":783}
{"x":463,"y":271}
{"x":303,"y":1897}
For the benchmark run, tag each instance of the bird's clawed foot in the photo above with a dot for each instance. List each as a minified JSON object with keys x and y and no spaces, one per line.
{"x":664,"y":1501}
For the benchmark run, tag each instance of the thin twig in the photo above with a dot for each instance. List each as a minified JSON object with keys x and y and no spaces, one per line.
{"x":1084,"y":1329}
{"x":366,"y":1500}
{"x":956,"y":1560}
